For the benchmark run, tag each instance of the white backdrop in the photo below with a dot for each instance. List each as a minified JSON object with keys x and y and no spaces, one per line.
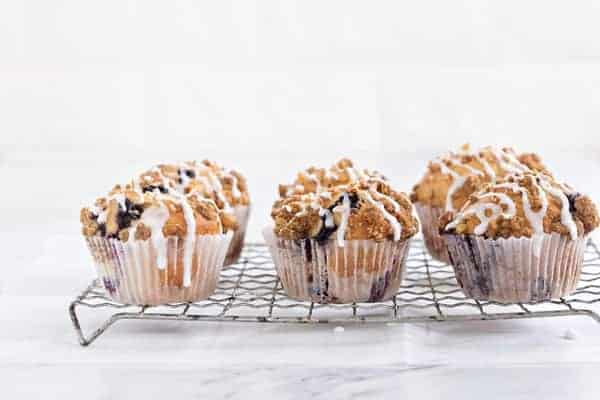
{"x":92,"y":91}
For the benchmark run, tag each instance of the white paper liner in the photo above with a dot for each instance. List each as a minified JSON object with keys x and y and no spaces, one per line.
{"x":130,"y":273}
{"x":435,"y":244}
{"x":516,"y":270}
{"x":361,"y":271}
{"x":242,"y":213}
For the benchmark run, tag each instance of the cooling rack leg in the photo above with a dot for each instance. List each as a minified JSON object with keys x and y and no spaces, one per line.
{"x":83,"y":340}
{"x":591,"y":314}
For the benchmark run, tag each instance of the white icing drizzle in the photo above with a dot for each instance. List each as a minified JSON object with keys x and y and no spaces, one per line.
{"x":392,"y":201}
{"x":536,"y":219}
{"x":487,"y":168}
{"x":155,"y":219}
{"x":457,"y":182}
{"x":190,"y":236}
{"x":508,"y":162}
{"x":396,"y":227}
{"x":235,"y":191}
{"x":480,"y":209}
{"x":344,"y":208}
{"x":351,"y":174}
{"x":565,"y":214}
{"x":331,"y":175}
{"x":328,"y":217}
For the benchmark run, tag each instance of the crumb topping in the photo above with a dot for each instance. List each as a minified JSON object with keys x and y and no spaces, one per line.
{"x":452,"y":178}
{"x":313,"y":179}
{"x":523,"y":205}
{"x":226,"y":188}
{"x":364,"y":210}
{"x":169,"y":200}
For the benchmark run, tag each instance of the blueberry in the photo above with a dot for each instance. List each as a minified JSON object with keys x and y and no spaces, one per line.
{"x":190,"y":173}
{"x":572,"y":197}
{"x":152,"y":188}
{"x":379,"y":287}
{"x":308,"y":250}
{"x":353,"y":200}
{"x":109,"y":285}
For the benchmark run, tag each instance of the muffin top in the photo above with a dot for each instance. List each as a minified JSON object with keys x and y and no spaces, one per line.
{"x":168,"y":199}
{"x":452,"y":178}
{"x":364,"y":210}
{"x":523,"y":205}
{"x":128,"y":211}
{"x":226,"y":188}
{"x":313,"y":179}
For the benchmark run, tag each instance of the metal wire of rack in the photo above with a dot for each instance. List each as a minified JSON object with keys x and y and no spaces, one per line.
{"x":250,"y":291}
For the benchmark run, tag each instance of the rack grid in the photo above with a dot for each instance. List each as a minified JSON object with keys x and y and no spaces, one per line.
{"x":249,"y":291}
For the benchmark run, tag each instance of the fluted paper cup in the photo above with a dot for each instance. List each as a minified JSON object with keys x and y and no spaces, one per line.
{"x":435,"y":244}
{"x":360,"y":271}
{"x":242,"y":213}
{"x":131,"y":271}
{"x":516,"y":270}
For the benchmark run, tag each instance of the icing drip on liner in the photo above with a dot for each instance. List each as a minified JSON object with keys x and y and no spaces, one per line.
{"x":155,"y":218}
{"x":190,"y":236}
{"x":344,"y":208}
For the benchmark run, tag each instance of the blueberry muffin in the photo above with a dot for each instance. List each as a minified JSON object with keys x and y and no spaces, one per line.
{"x":152,"y":244}
{"x":342,"y":244}
{"x":450,"y":180}
{"x":519,"y":240}
{"x":228,"y":189}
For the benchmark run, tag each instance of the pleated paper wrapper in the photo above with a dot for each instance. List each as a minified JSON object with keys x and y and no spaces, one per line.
{"x":514,"y":270}
{"x":435,"y":244}
{"x":130,"y":273}
{"x":360,"y":271}
{"x":242,"y":213}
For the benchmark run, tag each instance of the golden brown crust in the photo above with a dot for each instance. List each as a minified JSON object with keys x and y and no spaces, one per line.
{"x":441,"y":185}
{"x":206,"y":187}
{"x":225,"y":188}
{"x":374,"y":212}
{"x":313,"y":179}
{"x":123,"y":214}
{"x":522,"y":206}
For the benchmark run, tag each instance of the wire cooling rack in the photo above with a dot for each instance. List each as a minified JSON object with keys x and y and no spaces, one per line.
{"x":250,"y":291}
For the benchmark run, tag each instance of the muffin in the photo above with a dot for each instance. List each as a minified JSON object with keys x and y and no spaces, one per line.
{"x":228,"y":189}
{"x":153,"y":245}
{"x":342,"y":244}
{"x":520,"y":240}
{"x":313,"y":179}
{"x":452,"y":178}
